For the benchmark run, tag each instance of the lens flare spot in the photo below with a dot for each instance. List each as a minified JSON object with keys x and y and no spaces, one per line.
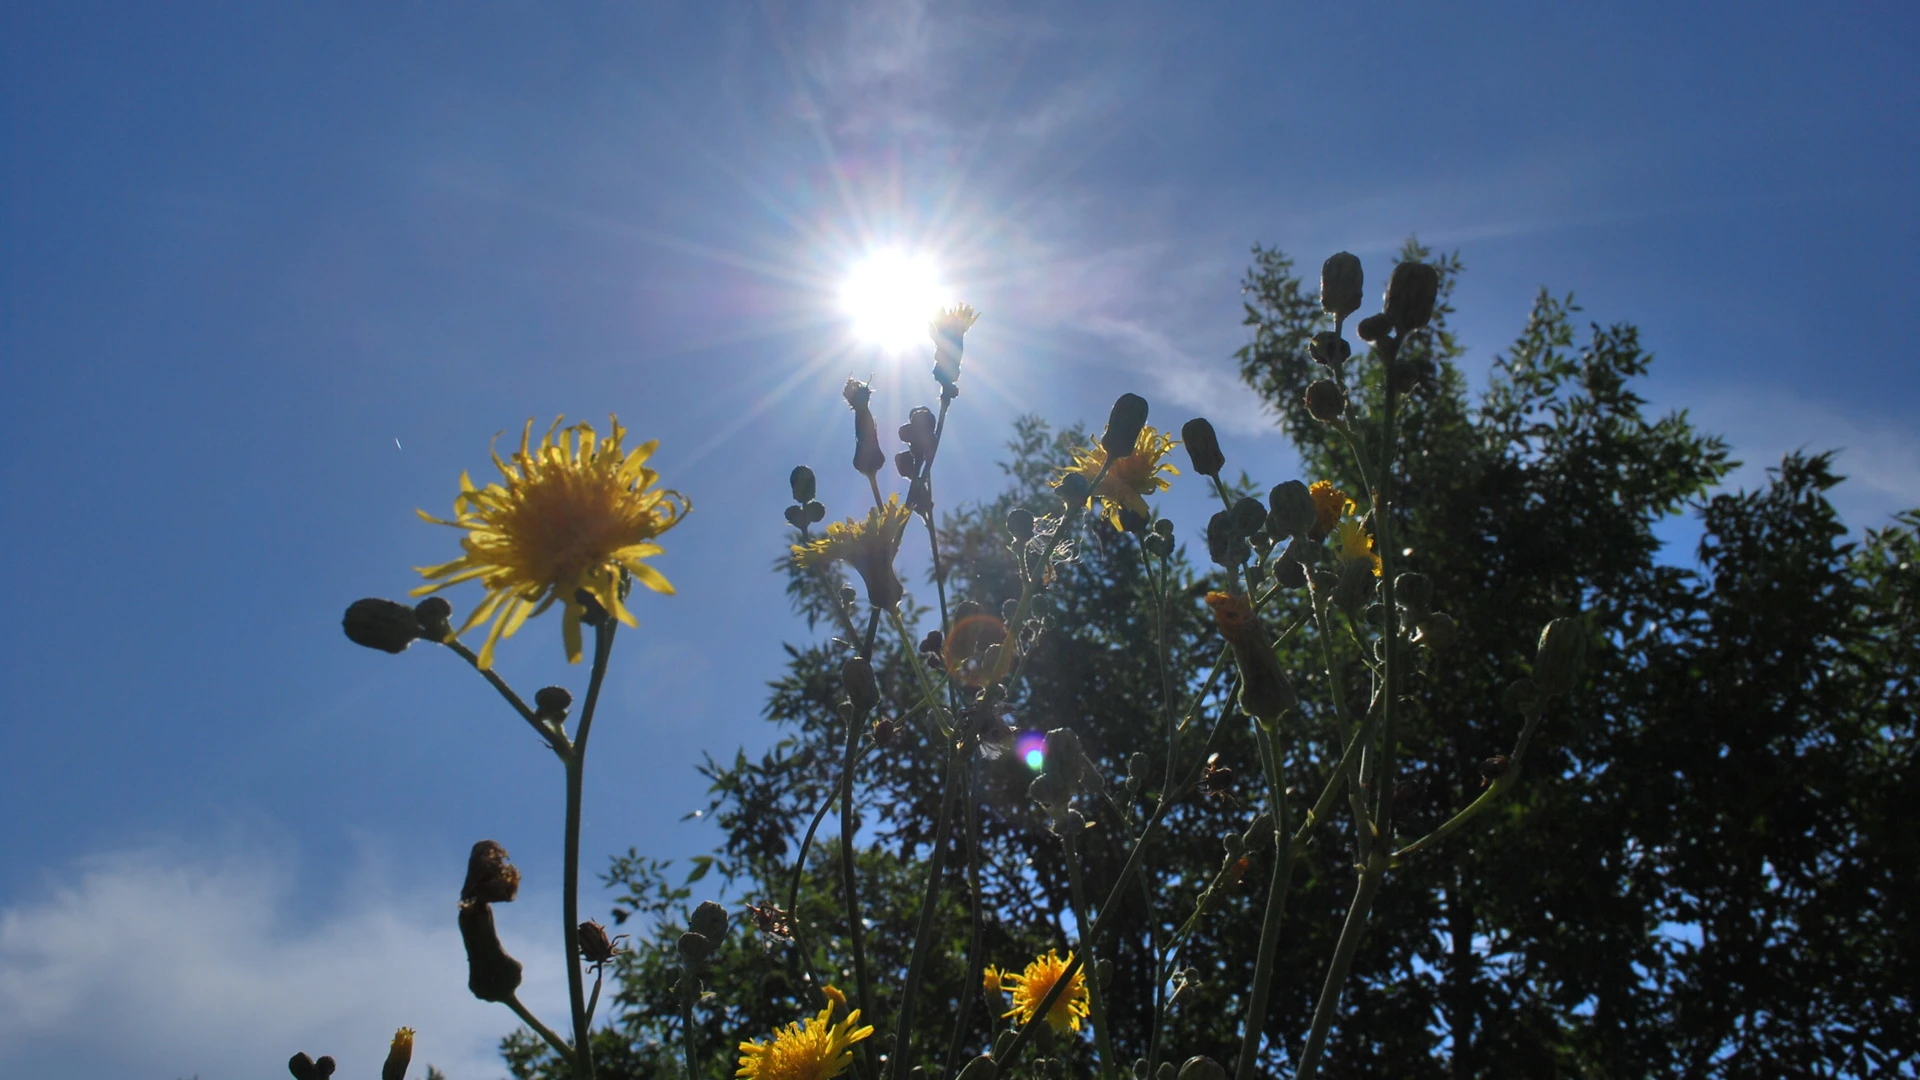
{"x":1032,"y":748}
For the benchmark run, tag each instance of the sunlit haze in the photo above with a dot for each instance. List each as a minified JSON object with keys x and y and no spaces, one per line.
{"x":891,"y":295}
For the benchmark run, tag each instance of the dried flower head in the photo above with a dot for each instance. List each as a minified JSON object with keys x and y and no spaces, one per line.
{"x":574,"y":514}
{"x":817,"y":1048}
{"x":491,"y":878}
{"x":1030,"y":988}
{"x":1131,"y":479}
{"x":868,"y":546}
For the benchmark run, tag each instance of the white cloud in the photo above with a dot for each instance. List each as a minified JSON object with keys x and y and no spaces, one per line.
{"x":148,"y":963}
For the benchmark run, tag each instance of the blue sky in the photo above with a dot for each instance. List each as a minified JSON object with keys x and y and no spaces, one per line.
{"x":275,"y":274}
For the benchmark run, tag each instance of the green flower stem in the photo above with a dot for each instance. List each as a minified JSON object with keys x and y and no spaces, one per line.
{"x":1380,"y":834}
{"x":1356,"y":747}
{"x":1096,"y":997}
{"x":603,"y":633}
{"x":547,"y":735}
{"x":1507,"y":779}
{"x":690,"y":1040}
{"x":1253,"y":1025}
{"x":849,"y":881}
{"x":593,"y":999}
{"x":976,"y":942}
{"x":526,"y":1017}
{"x":1012,"y":1053}
{"x":929,"y":901}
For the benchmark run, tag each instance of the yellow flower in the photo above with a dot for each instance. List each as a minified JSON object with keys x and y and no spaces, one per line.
{"x":1132,"y":478}
{"x":1353,"y":544}
{"x":867,"y":546}
{"x":816,"y":1048}
{"x":1329,"y":503}
{"x":572,"y":514}
{"x":399,"y":1055}
{"x":1031,"y":986}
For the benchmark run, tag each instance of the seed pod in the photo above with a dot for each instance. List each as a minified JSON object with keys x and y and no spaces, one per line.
{"x":1290,"y":510}
{"x":381,"y":624}
{"x":1124,"y":422}
{"x":1562,"y":651}
{"x":867,"y":455}
{"x":1411,"y":293}
{"x":1203,"y":447}
{"x":492,"y":975}
{"x":1326,"y":401}
{"x":1341,"y":284}
{"x":856,"y":675}
{"x":1020,"y":524}
{"x":1375,"y":329}
{"x":491,"y":877}
{"x":802,"y":484}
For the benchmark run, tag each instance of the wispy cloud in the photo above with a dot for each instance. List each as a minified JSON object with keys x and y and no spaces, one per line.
{"x":155,"y":963}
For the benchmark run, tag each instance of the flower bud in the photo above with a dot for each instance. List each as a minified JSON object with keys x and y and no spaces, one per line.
{"x":1203,"y":447}
{"x":1131,"y":523}
{"x":595,"y":946}
{"x":867,"y":455}
{"x":1288,"y":573}
{"x":1341,"y":283}
{"x":1020,"y":524}
{"x":885,"y":733}
{"x":399,"y":1055}
{"x":918,"y":433}
{"x":800,"y":481}
{"x":1557,"y":661}
{"x":1522,"y":696}
{"x":903,"y":464}
{"x":1129,"y":415}
{"x":1329,"y":348}
{"x":1411,"y":293}
{"x":1103,"y":971}
{"x":435,"y":616}
{"x":492,"y":975}
{"x":1290,"y":510}
{"x":695,"y":949}
{"x":949,"y":332}
{"x":1414,"y":593}
{"x":552,"y":701}
{"x":1223,"y":547}
{"x":856,"y":675}
{"x":1163,"y":527}
{"x":381,"y":624}
{"x":1375,"y":329}
{"x":305,"y":1068}
{"x":1326,"y":401}
{"x":1247,"y":516}
{"x":491,"y":878}
{"x":1437,"y":631}
{"x":816,"y":511}
{"x":709,"y":920}
{"x":1074,"y":490}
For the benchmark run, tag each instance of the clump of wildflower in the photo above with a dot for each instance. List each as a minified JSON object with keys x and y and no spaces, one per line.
{"x":868,"y":546}
{"x":1030,"y":988}
{"x":816,"y":1048}
{"x":1330,"y":504}
{"x":1131,"y":479}
{"x":572,"y":515}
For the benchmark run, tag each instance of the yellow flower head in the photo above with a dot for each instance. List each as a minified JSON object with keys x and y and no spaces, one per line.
{"x":1132,"y":478}
{"x":867,"y":546}
{"x":1031,"y":986}
{"x":572,"y":513}
{"x":1352,"y":544}
{"x":399,"y":1055}
{"x":1329,"y":504}
{"x":816,"y":1048}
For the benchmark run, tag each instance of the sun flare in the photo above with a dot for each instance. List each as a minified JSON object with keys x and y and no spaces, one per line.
{"x":891,"y":295}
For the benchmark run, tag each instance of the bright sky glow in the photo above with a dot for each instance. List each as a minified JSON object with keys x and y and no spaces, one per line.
{"x":891,"y":295}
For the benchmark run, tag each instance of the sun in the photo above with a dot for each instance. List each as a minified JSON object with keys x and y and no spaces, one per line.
{"x":891,"y":295}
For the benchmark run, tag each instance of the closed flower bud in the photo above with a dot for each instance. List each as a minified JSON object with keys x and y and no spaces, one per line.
{"x":800,"y":481}
{"x":1203,"y":447}
{"x":1103,"y":971}
{"x":1247,"y":516}
{"x":1129,"y":415}
{"x":1411,"y":293}
{"x":918,"y":433}
{"x":1375,"y":329}
{"x":903,"y":464}
{"x":1557,"y":662}
{"x":867,"y":455}
{"x":856,"y":675}
{"x":305,"y":1068}
{"x":1414,"y":593}
{"x":1074,"y":490}
{"x":1202,"y":1068}
{"x":492,"y":975}
{"x":694,"y":949}
{"x":1326,"y":401}
{"x":1329,"y":348}
{"x":435,"y":616}
{"x":1288,"y":573}
{"x":1223,"y":547}
{"x":816,"y":511}
{"x":381,"y":624}
{"x":709,"y":920}
{"x":1290,"y":510}
{"x":399,"y":1056}
{"x":1020,"y":524}
{"x":1341,"y":284}
{"x":1132,"y":523}
{"x":885,"y":733}
{"x":552,"y":701}
{"x":1163,"y":527}
{"x":491,"y":878}
{"x":1522,"y":696}
{"x":1436,"y":631}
